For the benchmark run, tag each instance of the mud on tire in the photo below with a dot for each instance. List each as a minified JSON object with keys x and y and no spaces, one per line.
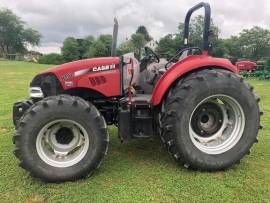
{"x":70,"y":115}
{"x":180,"y":120}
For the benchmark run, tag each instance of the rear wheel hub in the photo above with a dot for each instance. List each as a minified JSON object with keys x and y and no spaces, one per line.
{"x":207,"y":119}
{"x":216,"y":124}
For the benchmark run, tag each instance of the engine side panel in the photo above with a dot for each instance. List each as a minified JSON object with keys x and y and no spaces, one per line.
{"x":184,"y":66}
{"x":99,"y":74}
{"x":105,"y":82}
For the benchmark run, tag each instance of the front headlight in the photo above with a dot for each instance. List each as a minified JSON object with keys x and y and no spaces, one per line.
{"x":45,"y":85}
{"x":36,"y":92}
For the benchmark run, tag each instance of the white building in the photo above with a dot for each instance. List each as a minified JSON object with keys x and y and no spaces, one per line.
{"x":152,"y":44}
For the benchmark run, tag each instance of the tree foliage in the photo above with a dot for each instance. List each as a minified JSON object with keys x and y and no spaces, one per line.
{"x":138,"y":42}
{"x":88,"y":47}
{"x":125,"y":47}
{"x":104,"y":45}
{"x":70,"y":49}
{"x":251,"y":43}
{"x":142,"y":30}
{"x":169,"y":45}
{"x":14,"y":35}
{"x":254,"y":43}
{"x":84,"y":44}
{"x":51,"y":59}
{"x":196,"y":31}
{"x":101,"y":47}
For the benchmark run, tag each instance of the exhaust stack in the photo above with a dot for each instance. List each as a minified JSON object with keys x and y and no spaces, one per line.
{"x":114,"y":39}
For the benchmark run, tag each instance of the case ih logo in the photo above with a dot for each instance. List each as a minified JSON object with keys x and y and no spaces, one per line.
{"x":102,"y":68}
{"x":67,"y":76}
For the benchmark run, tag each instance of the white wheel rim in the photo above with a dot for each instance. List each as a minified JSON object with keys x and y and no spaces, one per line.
{"x":62,"y":143}
{"x":227,"y":131}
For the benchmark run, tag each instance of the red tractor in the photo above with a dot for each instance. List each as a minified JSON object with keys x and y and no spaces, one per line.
{"x":206,"y":115}
{"x":246,"y":65}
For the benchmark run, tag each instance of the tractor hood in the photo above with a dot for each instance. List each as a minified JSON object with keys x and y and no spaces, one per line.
{"x":76,"y":68}
{"x":74,"y":74}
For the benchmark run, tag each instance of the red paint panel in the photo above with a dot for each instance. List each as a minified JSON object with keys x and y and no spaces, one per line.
{"x":184,"y":66}
{"x":110,"y":86}
{"x":245,"y":65}
{"x":67,"y":73}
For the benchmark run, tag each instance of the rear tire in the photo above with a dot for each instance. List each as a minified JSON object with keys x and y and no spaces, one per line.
{"x":210,"y":120}
{"x":61,"y":138}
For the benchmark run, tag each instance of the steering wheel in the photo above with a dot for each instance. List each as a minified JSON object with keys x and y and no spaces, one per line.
{"x":151,"y":55}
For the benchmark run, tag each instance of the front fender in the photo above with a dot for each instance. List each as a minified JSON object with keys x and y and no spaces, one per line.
{"x":190,"y":63}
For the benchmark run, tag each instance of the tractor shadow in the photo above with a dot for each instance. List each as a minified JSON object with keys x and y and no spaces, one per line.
{"x":145,"y":151}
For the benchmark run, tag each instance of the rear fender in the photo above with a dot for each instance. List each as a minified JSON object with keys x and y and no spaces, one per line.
{"x":181,"y":68}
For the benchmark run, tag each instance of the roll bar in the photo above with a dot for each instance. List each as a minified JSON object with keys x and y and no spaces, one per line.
{"x":206,"y":30}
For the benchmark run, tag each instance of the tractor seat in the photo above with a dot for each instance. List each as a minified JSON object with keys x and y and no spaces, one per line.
{"x":149,"y":77}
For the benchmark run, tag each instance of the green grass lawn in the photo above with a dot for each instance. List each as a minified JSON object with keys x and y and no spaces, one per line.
{"x":138,"y":171}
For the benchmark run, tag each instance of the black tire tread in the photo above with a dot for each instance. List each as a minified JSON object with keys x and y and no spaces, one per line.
{"x":179,"y":90}
{"x":61,"y":100}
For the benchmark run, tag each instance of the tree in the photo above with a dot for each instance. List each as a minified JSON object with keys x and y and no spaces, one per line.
{"x":74,"y":49}
{"x":167,"y":46}
{"x":251,"y":43}
{"x":142,"y":30}
{"x":91,"y":52}
{"x":101,"y":47}
{"x":125,"y":47}
{"x":87,"y":42}
{"x":104,"y":45}
{"x":70,"y":49}
{"x":219,"y":48}
{"x":255,"y":42}
{"x":84,"y":44}
{"x":196,"y":31}
{"x":14,"y":36}
{"x":233,"y":47}
{"x":51,"y":59}
{"x":138,"y":42}
{"x":170,"y":44}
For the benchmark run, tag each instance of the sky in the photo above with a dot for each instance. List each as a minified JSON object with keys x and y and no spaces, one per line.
{"x":58,"y":19}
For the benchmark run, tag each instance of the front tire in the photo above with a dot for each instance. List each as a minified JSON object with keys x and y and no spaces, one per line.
{"x":210,"y":120}
{"x":61,"y":138}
